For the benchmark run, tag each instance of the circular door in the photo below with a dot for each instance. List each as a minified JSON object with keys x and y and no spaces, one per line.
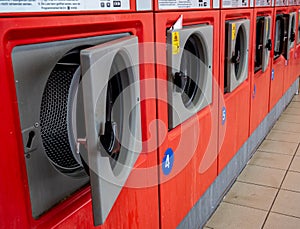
{"x":112,"y":140}
{"x":62,"y":118}
{"x":193,"y":62}
{"x":298,"y":37}
{"x":189,"y":72}
{"x":240,"y":52}
{"x":259,"y":43}
{"x":279,"y":36}
{"x":292,"y":32}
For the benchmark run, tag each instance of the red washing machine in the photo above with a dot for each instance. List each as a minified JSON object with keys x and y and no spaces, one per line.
{"x":79,"y":132}
{"x":235,"y":72}
{"x":297,"y":52}
{"x":187,"y":57}
{"x":291,"y":73}
{"x":280,"y":52}
{"x":261,"y":63}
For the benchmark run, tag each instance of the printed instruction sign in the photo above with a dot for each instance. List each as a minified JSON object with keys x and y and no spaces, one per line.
{"x":234,"y":3}
{"x":263,"y":3}
{"x":183,"y":4}
{"x":8,"y":6}
{"x":280,"y":2}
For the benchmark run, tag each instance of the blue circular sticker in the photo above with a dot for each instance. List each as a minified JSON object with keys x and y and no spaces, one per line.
{"x":224,"y":115}
{"x":254,"y":91}
{"x":168,"y":161}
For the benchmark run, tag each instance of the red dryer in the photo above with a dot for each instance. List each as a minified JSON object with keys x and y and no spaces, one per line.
{"x":77,"y":121}
{"x":235,"y":72}
{"x":280,"y":52}
{"x":261,"y":63}
{"x":187,"y":55}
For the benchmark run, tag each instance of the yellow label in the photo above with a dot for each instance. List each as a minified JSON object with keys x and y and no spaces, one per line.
{"x":267,"y":25}
{"x":175,"y":43}
{"x":299,"y":15}
{"x":233,"y":31}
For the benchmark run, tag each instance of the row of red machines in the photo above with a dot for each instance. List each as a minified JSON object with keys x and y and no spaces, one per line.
{"x":136,"y":114}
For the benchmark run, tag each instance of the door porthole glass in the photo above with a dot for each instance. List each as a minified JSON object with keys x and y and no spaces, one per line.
{"x":259,"y":44}
{"x":192,"y":66}
{"x":240,"y":52}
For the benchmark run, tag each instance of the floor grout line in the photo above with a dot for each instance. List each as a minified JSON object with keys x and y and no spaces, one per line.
{"x":279,"y":213}
{"x":264,"y":151}
{"x":277,"y":140}
{"x":286,"y":141}
{"x":284,"y":189}
{"x":246,"y":206}
{"x":290,"y":121}
{"x":268,"y":167}
{"x":262,"y":185}
{"x":288,"y":115}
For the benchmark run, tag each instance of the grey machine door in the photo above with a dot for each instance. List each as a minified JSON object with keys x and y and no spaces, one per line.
{"x":80,"y":118}
{"x":281,"y":44}
{"x":263,"y":44}
{"x":298,"y":29}
{"x":111,"y":95}
{"x":237,"y":47}
{"x":190,"y":72}
{"x":291,"y":30}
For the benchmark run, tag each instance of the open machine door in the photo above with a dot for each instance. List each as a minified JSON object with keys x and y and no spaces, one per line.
{"x":298,"y":37}
{"x":112,"y":117}
{"x":190,"y":72}
{"x":237,"y":47}
{"x":291,"y":30}
{"x":80,"y":118}
{"x":281,"y":46}
{"x":263,"y":43}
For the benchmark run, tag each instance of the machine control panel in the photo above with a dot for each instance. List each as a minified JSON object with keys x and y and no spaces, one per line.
{"x":183,"y":4}
{"x":8,"y":6}
{"x":234,"y":3}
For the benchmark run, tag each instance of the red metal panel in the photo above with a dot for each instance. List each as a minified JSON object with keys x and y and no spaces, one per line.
{"x":278,"y":67}
{"x":195,"y":141}
{"x":289,"y":76}
{"x":137,"y":205}
{"x":235,"y":130}
{"x":297,"y":50}
{"x":260,"y":81}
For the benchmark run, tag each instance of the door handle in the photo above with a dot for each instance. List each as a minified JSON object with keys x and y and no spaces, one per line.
{"x":269,"y":44}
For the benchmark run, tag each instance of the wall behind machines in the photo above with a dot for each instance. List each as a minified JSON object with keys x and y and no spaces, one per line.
{"x":131,"y":179}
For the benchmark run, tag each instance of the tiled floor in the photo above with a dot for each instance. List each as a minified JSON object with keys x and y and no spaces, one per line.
{"x":267,"y":192}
